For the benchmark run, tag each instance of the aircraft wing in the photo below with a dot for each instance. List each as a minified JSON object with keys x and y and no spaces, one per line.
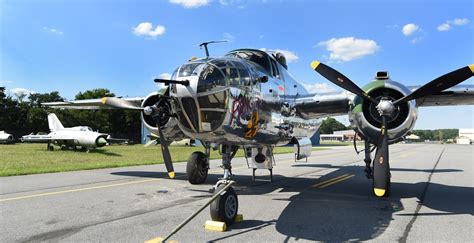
{"x":457,"y":95}
{"x":42,"y":139}
{"x":312,"y":106}
{"x":93,"y":104}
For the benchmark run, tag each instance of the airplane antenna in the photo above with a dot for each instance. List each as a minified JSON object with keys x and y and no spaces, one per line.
{"x":207,"y":43}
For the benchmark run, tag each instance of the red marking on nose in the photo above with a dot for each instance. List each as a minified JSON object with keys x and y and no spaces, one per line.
{"x":281,"y":88}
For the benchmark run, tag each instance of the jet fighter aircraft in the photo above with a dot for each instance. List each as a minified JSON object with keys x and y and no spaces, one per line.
{"x":247,"y":99}
{"x":6,"y":138}
{"x":70,"y":137}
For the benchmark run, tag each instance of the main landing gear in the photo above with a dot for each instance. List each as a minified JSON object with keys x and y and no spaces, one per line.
{"x":370,"y":170}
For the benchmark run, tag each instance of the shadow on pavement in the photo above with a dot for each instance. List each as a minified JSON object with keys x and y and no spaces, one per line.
{"x":345,"y":211}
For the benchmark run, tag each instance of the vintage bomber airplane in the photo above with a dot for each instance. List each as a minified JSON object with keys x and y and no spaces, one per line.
{"x":247,"y":99}
{"x":68,"y":137}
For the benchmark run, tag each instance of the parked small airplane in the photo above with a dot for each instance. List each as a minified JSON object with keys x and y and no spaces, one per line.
{"x":71,"y":137}
{"x":6,"y":138}
{"x":248,"y":99}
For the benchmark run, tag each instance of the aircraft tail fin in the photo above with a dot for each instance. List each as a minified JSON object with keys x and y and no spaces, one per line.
{"x":54,"y":123}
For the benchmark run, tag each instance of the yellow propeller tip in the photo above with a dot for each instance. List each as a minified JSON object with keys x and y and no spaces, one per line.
{"x":103,"y":100}
{"x":379,"y":192}
{"x":171,"y":174}
{"x":314,"y":64}
{"x":471,"y":67}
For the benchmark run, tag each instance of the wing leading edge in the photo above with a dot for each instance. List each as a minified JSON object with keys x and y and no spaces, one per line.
{"x":91,"y":104}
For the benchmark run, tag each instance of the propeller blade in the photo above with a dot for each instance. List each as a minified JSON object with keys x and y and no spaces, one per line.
{"x":164,"y":149}
{"x":441,"y":83}
{"x":120,"y":104}
{"x":340,"y":80}
{"x":381,"y":165}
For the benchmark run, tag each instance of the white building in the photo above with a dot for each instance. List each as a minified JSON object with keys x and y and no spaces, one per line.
{"x":466,"y":136}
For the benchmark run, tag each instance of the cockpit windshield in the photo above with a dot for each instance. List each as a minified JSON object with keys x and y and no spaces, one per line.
{"x":257,"y":57}
{"x":85,"y":129}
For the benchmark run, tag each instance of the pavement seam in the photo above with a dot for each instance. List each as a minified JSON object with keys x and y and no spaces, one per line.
{"x":420,"y":203}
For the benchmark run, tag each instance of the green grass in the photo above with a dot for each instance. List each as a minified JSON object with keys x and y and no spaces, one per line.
{"x":23,"y":159}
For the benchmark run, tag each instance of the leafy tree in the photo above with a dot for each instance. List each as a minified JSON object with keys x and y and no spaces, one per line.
{"x":438,"y":134}
{"x":329,"y":125}
{"x":95,"y":93}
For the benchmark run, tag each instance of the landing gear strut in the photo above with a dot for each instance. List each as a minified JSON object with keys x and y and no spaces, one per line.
{"x":368,"y":161}
{"x":225,"y":207}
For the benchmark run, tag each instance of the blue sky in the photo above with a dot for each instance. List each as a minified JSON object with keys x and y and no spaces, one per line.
{"x":72,"y":46}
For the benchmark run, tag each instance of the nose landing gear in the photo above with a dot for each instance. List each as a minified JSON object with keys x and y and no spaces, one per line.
{"x":225,"y":207}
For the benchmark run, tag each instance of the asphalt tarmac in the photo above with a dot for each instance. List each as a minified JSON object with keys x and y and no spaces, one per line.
{"x":326,"y":199}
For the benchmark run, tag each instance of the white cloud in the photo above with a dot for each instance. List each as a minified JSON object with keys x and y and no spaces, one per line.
{"x":165,"y":75}
{"x":349,"y":48}
{"x":5,"y":82}
{"x":444,"y":27}
{"x":449,"y":23}
{"x":228,"y":37}
{"x":191,"y":3}
{"x":20,"y":93}
{"x":319,"y":88}
{"x":289,"y":55}
{"x":460,"y":21}
{"x":416,"y":40}
{"x":409,"y":29}
{"x":53,"y":31}
{"x":146,"y":29}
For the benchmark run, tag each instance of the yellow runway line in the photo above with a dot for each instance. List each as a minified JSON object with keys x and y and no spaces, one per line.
{"x":337,"y":181}
{"x":327,"y":181}
{"x":120,"y":184}
{"x":80,"y":189}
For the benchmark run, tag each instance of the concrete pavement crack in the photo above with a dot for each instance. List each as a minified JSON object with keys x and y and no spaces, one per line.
{"x":409,"y":226}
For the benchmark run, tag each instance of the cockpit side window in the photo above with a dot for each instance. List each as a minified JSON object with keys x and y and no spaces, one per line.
{"x":275,"y":71}
{"x":188,"y":69}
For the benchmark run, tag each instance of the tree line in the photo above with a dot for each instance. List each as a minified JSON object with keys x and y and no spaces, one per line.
{"x":330,"y":125}
{"x":25,"y":115}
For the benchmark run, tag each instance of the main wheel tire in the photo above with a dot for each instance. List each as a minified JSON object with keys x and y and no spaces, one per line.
{"x":197,"y":168}
{"x":225,"y":207}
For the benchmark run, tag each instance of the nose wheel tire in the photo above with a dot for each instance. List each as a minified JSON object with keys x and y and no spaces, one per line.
{"x":197,"y":168}
{"x":225,"y":207}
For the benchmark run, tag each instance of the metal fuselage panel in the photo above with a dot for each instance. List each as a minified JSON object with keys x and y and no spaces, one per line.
{"x":225,"y":104}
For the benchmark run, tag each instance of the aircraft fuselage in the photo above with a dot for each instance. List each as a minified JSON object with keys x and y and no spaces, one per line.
{"x":245,"y":97}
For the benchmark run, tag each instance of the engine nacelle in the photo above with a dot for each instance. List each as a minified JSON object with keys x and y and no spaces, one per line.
{"x":91,"y":140}
{"x":169,"y":126}
{"x":366,"y":121}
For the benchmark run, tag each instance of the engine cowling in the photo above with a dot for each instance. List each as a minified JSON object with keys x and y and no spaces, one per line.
{"x":366,"y":121}
{"x":169,"y":125}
